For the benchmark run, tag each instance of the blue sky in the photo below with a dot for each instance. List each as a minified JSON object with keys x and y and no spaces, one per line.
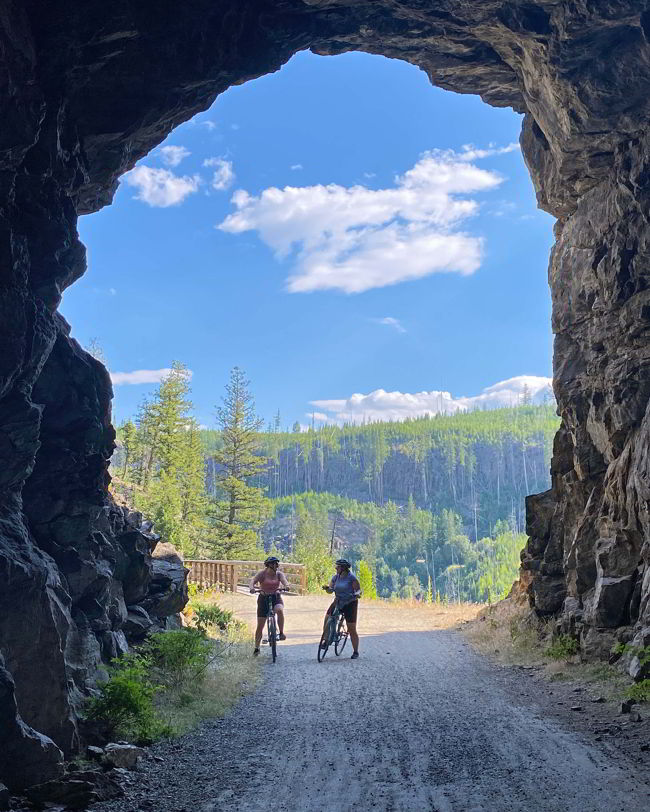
{"x":337,"y":229}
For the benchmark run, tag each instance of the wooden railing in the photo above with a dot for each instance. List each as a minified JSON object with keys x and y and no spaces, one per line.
{"x":227,"y":575}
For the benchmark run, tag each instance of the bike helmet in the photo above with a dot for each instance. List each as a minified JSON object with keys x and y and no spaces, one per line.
{"x":343,"y":562}
{"x":271,"y":560}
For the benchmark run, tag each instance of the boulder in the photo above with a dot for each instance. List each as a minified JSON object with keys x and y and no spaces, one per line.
{"x":4,"y":797}
{"x":168,"y":588}
{"x":122,"y":755}
{"x":76,"y":790}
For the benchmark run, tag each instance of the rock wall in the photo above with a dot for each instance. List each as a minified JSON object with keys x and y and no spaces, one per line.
{"x":87,"y":88}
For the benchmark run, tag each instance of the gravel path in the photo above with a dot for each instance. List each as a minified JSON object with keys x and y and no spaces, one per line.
{"x":419,"y":722}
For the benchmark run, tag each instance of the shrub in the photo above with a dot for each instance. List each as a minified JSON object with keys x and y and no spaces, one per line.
{"x":125,"y":702}
{"x":563,"y":647}
{"x":640,"y":691}
{"x":180,"y":657}
{"x":207,"y":615}
{"x":366,"y":581}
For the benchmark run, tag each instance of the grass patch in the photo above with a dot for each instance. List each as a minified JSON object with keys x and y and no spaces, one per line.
{"x":510,"y":633}
{"x":227,"y":679}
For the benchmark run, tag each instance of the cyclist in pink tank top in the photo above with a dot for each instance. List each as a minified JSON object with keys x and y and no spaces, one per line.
{"x":270,"y":581}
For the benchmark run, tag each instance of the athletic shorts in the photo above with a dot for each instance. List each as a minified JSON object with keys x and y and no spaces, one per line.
{"x":349,"y":611}
{"x":263,"y":606}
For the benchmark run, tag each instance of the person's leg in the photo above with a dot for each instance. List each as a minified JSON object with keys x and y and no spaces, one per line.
{"x":328,"y":614}
{"x":354,"y":636}
{"x":261,"y":621}
{"x":279,"y":613}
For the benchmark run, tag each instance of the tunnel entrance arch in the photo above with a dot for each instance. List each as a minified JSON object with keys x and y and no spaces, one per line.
{"x":88,"y":90}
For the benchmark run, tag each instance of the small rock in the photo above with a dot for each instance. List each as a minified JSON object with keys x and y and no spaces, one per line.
{"x":635,"y":716}
{"x":576,"y":707}
{"x":644,"y":747}
{"x":94,"y":753}
{"x":122,"y":755}
{"x":626,"y":705}
{"x":598,"y":699}
{"x":159,"y":759}
{"x":4,"y":797}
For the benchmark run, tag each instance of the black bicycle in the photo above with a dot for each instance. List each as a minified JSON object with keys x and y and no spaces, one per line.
{"x":271,"y":625}
{"x":336,"y":632}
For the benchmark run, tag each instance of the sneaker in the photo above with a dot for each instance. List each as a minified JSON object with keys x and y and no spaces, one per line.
{"x":355,"y":655}
{"x":282,"y":637}
{"x":256,"y":651}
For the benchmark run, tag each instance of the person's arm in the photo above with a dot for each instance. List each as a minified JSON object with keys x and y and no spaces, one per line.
{"x":283,"y":580}
{"x":255,"y":580}
{"x":330,"y":588}
{"x":357,"y":588}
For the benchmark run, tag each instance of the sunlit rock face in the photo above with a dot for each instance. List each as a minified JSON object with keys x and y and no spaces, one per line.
{"x":89,"y":87}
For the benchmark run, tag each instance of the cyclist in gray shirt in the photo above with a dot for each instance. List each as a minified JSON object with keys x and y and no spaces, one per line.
{"x":347,"y":589}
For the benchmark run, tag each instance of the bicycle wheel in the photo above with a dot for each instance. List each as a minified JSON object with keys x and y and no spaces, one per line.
{"x":273,"y":638}
{"x":325,"y":641}
{"x":341,"y":636}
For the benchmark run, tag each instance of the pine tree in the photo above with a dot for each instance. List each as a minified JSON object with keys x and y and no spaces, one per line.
{"x":129,"y":446}
{"x":172,"y":467}
{"x":240,"y":509}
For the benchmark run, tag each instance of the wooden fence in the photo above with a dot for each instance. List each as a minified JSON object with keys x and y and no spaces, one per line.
{"x":227,"y":575}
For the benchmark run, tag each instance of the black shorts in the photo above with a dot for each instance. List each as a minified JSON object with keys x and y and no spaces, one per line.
{"x":349,"y":611}
{"x":263,"y":603}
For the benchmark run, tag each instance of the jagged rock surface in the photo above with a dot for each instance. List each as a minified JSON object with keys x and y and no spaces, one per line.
{"x":87,"y":88}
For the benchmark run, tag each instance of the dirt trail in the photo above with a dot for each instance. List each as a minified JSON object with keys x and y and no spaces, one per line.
{"x":419,"y":722}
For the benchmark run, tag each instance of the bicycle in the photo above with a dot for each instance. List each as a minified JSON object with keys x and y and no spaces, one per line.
{"x":336,"y":632}
{"x":271,"y":625}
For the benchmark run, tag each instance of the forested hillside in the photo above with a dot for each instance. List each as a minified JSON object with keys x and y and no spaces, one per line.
{"x":481,"y":465}
{"x":428,"y":508}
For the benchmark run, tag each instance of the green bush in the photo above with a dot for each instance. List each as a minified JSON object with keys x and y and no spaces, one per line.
{"x":180,"y":657}
{"x":563,"y":647}
{"x":640,"y":691}
{"x":124,"y":704}
{"x":207,"y":615}
{"x":366,"y":581}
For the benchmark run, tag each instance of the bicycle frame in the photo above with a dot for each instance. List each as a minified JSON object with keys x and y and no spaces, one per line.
{"x":336,"y":630}
{"x":271,"y":626}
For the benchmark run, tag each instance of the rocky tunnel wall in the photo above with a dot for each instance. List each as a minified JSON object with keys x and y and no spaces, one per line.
{"x":88,"y":88}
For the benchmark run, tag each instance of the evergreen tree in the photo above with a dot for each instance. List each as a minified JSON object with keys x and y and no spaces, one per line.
{"x":129,"y":446}
{"x":172,"y":462}
{"x":240,"y":509}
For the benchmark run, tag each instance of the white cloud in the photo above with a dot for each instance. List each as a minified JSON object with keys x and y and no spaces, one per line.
{"x":382,"y":405}
{"x":323,"y":418}
{"x":389,"y":321}
{"x":160,"y":187}
{"x":224,"y":174}
{"x":470,"y":153}
{"x":172,"y":155}
{"x":112,"y":291}
{"x":140,"y":376}
{"x":369,"y":175}
{"x":296,"y":167}
{"x":354,"y":238}
{"x":210,"y":125}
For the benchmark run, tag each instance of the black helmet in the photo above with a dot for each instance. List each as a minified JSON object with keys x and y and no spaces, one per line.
{"x":343,"y":562}
{"x":271,"y":560}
